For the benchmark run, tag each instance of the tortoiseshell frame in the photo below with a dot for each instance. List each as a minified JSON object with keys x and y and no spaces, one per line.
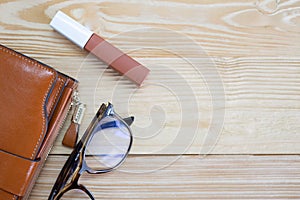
{"x":76,"y":165}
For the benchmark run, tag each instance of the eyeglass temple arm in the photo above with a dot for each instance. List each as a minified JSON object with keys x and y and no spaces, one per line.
{"x":129,"y":120}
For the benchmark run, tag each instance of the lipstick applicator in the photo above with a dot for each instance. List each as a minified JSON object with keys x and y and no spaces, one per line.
{"x":102,"y":49}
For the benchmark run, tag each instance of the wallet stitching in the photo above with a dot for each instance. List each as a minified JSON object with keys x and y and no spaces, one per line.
{"x":44,"y":99}
{"x":60,"y":86}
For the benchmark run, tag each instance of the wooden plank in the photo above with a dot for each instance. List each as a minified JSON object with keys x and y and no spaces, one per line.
{"x":222,"y":28}
{"x":190,"y":177}
{"x":251,"y":73}
{"x":259,"y":111}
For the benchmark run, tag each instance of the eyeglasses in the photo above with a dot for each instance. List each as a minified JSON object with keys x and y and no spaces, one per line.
{"x":103,"y":147}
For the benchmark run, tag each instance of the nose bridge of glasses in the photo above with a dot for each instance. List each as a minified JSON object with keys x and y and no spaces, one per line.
{"x":73,"y":186}
{"x":85,"y":190}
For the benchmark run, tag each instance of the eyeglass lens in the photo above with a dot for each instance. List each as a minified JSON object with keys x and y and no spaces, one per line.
{"x":109,"y":143}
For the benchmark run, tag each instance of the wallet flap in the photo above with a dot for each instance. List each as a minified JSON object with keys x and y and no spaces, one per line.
{"x":25,"y":87}
{"x":15,"y":181}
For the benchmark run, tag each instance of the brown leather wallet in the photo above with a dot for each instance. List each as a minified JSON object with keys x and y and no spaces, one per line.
{"x":34,"y":101}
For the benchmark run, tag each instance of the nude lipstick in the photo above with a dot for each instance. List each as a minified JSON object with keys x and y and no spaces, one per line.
{"x":98,"y":46}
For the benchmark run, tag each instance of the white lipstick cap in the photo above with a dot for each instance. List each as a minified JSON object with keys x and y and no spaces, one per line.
{"x":71,"y":29}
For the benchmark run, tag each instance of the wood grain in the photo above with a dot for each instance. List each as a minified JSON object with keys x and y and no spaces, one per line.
{"x":225,"y":79}
{"x":261,"y":105}
{"x":227,"y":29}
{"x":190,"y":177}
{"x":236,"y":63}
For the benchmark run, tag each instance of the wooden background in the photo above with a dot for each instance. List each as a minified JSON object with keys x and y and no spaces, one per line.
{"x":217,"y":118}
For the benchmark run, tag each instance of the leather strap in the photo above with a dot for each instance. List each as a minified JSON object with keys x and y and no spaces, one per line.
{"x":16,"y":173}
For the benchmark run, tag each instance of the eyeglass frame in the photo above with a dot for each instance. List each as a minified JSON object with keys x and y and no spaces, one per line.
{"x":76,"y":164}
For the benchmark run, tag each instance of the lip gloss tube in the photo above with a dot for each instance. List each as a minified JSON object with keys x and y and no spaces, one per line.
{"x":98,"y":46}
